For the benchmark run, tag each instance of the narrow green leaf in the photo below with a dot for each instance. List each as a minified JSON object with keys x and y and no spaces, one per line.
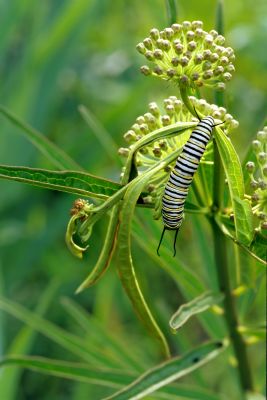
{"x":171,"y":11}
{"x":179,"y":128}
{"x":75,"y":182}
{"x":169,"y":371}
{"x":70,"y":342}
{"x":196,"y":306}
{"x":125,"y":265}
{"x":57,"y":156}
{"x":100,"y":335}
{"x":104,"y":138}
{"x":105,"y":256}
{"x":102,"y":377}
{"x":233,"y":171}
{"x":22,"y":343}
{"x":71,"y":370}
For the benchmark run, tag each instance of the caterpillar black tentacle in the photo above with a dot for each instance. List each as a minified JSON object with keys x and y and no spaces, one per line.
{"x":180,"y":179}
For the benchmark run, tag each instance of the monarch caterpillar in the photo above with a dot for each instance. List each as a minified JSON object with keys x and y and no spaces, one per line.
{"x":177,"y":187}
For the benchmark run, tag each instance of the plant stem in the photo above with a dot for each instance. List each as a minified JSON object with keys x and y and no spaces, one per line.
{"x":220,"y":249}
{"x":229,"y":309}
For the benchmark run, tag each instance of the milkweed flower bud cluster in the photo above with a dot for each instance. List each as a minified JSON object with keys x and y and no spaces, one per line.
{"x":258,"y":177}
{"x":173,"y":111}
{"x":187,"y":54}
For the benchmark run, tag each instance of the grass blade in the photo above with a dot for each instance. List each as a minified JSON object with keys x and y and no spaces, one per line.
{"x":70,"y":342}
{"x":98,"y":333}
{"x":57,"y":156}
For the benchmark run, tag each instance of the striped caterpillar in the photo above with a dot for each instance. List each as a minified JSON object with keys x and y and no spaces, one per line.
{"x":178,"y":185}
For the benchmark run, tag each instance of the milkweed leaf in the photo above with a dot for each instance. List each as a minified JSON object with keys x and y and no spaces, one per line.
{"x":79,"y":183}
{"x":168,"y":372}
{"x":233,"y":171}
{"x":196,"y":306}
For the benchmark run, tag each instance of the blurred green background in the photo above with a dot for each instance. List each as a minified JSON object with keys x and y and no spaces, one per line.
{"x":54,"y":56}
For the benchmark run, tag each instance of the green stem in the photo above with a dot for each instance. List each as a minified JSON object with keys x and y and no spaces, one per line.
{"x":230,"y":315}
{"x":184,"y":95}
{"x":220,"y":249}
{"x":171,"y":11}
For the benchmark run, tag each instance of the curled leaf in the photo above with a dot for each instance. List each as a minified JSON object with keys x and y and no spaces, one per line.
{"x":196,"y":306}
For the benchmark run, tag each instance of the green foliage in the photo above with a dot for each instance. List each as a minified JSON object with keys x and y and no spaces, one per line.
{"x":57,"y":56}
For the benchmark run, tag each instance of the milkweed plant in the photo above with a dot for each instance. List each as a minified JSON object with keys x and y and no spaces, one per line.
{"x":232,"y":198}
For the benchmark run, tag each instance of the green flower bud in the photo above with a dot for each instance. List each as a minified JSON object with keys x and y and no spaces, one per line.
{"x":230,"y":68}
{"x":130,"y":136}
{"x":264,"y":170}
{"x":158,"y":70}
{"x":140,"y":120}
{"x":262,"y":185}
{"x":158,"y":54}
{"x":262,"y":216}
{"x":166,"y":45}
{"x":163,"y":144}
{"x":254,"y":184}
{"x":264,"y":225}
{"x":179,"y":48}
{"x":197,"y":25}
{"x":256,"y":145}
{"x":262,"y":136}
{"x":186,"y":25}
{"x":149,"y":55}
{"x":219,"y":40}
{"x":170,"y":110}
{"x":214,"y":57}
{"x":157,"y":151}
{"x":124,"y":152}
{"x":175,"y":61}
{"x":207,"y":54}
{"x":144,"y":128}
{"x":208,"y":40}
{"x":224,"y":60}
{"x":208,"y":74}
{"x":206,"y":65}
{"x":148,"y":43}
{"x":176,"y":28}
{"x":213,"y":33}
{"x":154,"y":33}
{"x":195,"y":76}
{"x":250,"y":166}
{"x":262,"y":157}
{"x":153,"y":107}
{"x":169,"y":33}
{"x":198,"y":58}
{"x":199,"y":32}
{"x":227,"y":76}
{"x":192,"y":45}
{"x":145,"y":70}
{"x":148,"y":200}
{"x":218,"y":70}
{"x":171,"y":72}
{"x":165,"y":119}
{"x":220,"y":86}
{"x":190,"y":35}
{"x":184,"y":61}
{"x":141,"y":48}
